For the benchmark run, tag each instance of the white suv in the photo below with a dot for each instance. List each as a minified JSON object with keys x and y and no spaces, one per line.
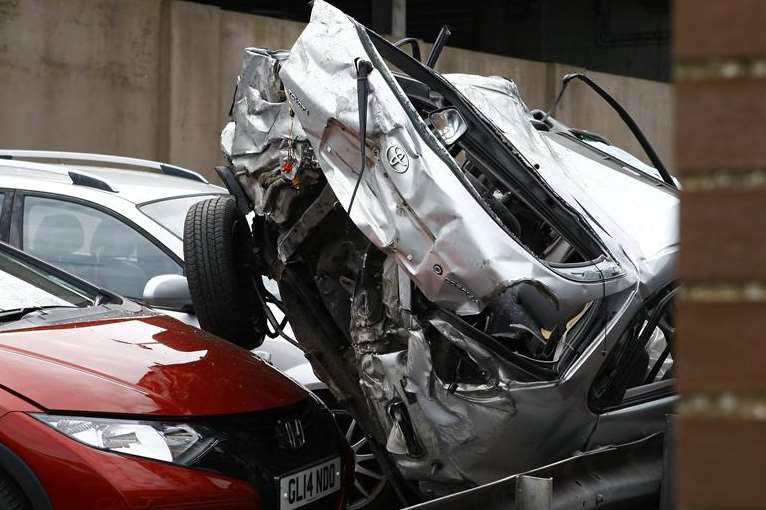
{"x":117,"y":222}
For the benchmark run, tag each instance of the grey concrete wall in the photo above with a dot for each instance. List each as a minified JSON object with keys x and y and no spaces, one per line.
{"x":80,"y":74}
{"x":154,"y":79}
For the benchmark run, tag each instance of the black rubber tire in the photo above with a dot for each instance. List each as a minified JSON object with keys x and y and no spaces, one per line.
{"x":217,"y":251}
{"x":11,"y":495}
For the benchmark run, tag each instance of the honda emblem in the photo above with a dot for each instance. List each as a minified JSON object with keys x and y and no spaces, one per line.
{"x":292,"y":433}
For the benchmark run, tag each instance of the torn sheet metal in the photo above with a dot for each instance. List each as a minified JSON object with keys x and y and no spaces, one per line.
{"x":468,"y":433}
{"x":455,"y":429}
{"x":263,"y":134}
{"x":446,"y":430}
{"x":410,"y":204}
{"x":260,"y":118}
{"x":641,"y":226}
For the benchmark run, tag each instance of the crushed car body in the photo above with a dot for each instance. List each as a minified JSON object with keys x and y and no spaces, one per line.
{"x":486,"y":289}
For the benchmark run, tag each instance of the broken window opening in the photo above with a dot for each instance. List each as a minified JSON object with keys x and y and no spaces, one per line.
{"x":528,"y":226}
{"x":642,"y":358}
{"x":454,"y":365}
{"x":504,"y":204}
{"x":425,"y":92}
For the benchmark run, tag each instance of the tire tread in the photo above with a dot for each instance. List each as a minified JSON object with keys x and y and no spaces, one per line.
{"x":218,"y":284}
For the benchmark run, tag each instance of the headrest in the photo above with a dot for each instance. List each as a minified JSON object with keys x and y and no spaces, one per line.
{"x":58,"y":234}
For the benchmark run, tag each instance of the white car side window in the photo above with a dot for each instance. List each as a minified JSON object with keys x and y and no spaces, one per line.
{"x":93,"y":245}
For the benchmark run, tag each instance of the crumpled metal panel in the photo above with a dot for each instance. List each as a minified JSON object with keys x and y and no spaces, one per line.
{"x":457,"y":429}
{"x":630,"y":217}
{"x":260,"y":117}
{"x":469,"y":434}
{"x":261,"y":122}
{"x":426,"y":221}
{"x":457,"y":255}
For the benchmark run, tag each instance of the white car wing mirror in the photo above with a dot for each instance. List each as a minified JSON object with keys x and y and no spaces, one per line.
{"x":168,"y":291}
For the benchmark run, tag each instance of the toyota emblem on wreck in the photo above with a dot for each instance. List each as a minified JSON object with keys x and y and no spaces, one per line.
{"x":398,"y":159}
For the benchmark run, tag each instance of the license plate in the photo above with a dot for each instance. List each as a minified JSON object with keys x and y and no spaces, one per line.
{"x":310,"y":484}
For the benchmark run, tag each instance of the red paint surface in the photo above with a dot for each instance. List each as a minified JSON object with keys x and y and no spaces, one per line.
{"x":147,"y":365}
{"x":139,"y":365}
{"x":76,"y":476}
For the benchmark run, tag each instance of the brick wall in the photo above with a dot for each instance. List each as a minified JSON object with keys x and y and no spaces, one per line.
{"x":720,"y":73}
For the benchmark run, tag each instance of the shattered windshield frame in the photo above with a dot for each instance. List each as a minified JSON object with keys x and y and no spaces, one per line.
{"x":483,"y":138}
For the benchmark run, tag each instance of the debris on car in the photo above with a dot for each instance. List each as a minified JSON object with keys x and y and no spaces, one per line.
{"x":479,"y":284}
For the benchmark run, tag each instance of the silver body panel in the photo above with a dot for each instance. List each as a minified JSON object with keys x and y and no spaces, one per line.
{"x":426,"y":221}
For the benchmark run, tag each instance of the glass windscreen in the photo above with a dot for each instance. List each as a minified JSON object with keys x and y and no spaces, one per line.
{"x":171,"y":213}
{"x":93,"y":245}
{"x":625,"y":157}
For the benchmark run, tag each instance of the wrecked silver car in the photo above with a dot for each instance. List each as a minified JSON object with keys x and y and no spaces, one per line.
{"x":484,"y":288}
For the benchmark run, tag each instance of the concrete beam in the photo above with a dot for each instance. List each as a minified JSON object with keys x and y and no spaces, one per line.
{"x":399,"y":18}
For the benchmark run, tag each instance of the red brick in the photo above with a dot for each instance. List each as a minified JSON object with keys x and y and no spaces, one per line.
{"x":723,"y":235}
{"x":720,"y":463}
{"x":720,"y":125}
{"x":719,"y":347}
{"x":723,"y":28}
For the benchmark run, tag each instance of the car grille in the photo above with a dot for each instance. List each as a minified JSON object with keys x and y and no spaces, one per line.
{"x":254,"y":449}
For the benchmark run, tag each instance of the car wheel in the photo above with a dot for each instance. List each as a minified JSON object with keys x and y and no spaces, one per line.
{"x":371,"y":490}
{"x":11,"y":496}
{"x":217,"y":252}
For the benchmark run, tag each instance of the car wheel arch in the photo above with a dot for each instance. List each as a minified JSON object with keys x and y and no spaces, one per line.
{"x":18,"y":470}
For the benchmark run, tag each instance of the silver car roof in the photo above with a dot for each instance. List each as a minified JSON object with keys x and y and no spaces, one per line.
{"x":149,"y":180}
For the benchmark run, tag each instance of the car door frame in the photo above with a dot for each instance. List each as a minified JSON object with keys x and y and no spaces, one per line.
{"x":6,"y":210}
{"x":642,"y":410}
{"x":17,"y":222}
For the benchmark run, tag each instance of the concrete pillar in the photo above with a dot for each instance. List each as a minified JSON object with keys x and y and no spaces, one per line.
{"x":399,"y":18}
{"x":194,"y":81}
{"x":389,"y":17}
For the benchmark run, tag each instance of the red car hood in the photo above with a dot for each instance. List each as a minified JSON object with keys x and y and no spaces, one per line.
{"x":147,"y":365}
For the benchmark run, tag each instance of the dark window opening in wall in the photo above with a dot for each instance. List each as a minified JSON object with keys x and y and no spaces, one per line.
{"x":626,"y":37}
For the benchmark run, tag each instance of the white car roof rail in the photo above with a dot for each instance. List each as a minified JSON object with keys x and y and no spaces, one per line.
{"x":78,"y":177}
{"x":175,"y":171}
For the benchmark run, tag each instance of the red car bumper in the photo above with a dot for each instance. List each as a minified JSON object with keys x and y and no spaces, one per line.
{"x":77,"y":476}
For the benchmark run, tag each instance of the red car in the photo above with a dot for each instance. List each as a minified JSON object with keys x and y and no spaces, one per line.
{"x":104,"y":404}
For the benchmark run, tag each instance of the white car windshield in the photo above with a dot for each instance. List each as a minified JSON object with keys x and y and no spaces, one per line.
{"x":171,"y":212}
{"x":625,"y":157}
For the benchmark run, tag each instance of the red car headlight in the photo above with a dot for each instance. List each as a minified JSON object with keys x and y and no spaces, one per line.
{"x":180,"y":443}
